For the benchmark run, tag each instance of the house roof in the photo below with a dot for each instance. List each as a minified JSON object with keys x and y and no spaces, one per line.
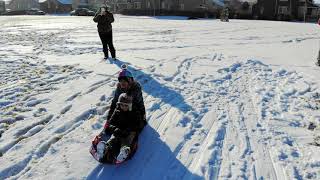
{"x":61,"y":1}
{"x":218,"y":2}
{"x":249,"y":1}
{"x":221,"y":2}
{"x":65,"y":1}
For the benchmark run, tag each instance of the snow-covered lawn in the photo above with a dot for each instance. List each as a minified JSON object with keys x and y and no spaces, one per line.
{"x":237,"y":100}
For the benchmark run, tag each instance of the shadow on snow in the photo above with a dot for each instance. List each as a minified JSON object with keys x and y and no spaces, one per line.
{"x":152,"y":87}
{"x":153,"y":160}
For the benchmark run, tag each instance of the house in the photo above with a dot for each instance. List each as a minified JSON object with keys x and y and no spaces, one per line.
{"x":186,"y":5}
{"x":20,"y":5}
{"x":164,"y":7}
{"x":56,"y":6}
{"x":241,"y":8}
{"x":307,"y":11}
{"x":125,"y":5}
{"x":2,"y":7}
{"x":284,"y":9}
{"x":91,"y":4}
{"x":81,"y":3}
{"x":150,"y":7}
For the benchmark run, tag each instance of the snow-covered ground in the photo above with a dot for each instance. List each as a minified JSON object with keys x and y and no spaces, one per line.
{"x":237,"y":100}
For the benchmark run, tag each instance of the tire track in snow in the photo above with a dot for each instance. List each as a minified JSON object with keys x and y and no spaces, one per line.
{"x":240,"y":108}
{"x":243,"y":123}
{"x":264,"y":146}
{"x":284,"y":106}
{"x":194,"y":116}
{"x":208,"y":158}
{"x":254,"y":153}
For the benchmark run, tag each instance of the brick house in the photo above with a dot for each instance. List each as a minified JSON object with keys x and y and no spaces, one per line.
{"x":20,"y":5}
{"x":164,"y":7}
{"x":56,"y":6}
{"x":240,"y":8}
{"x":2,"y":7}
{"x":284,"y":9}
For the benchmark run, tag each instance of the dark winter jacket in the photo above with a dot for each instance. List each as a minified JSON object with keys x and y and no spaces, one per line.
{"x":125,"y":122}
{"x":137,"y":101}
{"x":104,"y":21}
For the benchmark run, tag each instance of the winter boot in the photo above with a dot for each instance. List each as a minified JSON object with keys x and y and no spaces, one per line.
{"x":101,"y":149}
{"x":123,"y":154}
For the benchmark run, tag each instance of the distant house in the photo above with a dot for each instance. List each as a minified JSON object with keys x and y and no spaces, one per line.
{"x":121,"y":5}
{"x":56,"y":6}
{"x":182,"y":5}
{"x":81,"y":3}
{"x":193,"y":5}
{"x":240,"y":8}
{"x":18,"y":5}
{"x":2,"y":7}
{"x":163,"y":7}
{"x":285,"y":9}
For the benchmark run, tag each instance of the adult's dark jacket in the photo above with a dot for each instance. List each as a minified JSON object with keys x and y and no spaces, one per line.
{"x":104,"y":21}
{"x":137,"y":99}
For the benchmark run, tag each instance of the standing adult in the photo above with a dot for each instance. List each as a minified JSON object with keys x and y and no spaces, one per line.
{"x":104,"y":18}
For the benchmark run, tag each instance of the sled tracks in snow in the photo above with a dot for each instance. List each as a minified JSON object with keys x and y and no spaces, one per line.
{"x":225,"y":121}
{"x":23,"y":113}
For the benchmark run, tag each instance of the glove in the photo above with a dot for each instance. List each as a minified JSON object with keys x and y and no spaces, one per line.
{"x":117,"y":132}
{"x":110,"y":129}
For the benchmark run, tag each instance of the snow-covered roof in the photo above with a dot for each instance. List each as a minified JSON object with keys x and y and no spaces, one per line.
{"x":219,"y":2}
{"x":249,"y":1}
{"x":61,"y":1}
{"x":222,"y":2}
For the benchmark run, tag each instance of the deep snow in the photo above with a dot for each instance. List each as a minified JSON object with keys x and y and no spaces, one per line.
{"x":224,"y":100}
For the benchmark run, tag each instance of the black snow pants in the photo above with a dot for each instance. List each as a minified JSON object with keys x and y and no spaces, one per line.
{"x":106,"y":39}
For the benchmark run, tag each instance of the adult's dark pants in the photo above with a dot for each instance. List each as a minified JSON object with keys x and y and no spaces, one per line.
{"x":106,"y":39}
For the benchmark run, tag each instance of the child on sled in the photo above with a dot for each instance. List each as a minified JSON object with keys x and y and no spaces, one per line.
{"x":123,"y":126}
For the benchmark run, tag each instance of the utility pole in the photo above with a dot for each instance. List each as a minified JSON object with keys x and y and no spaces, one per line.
{"x":159,"y":7}
{"x":318,"y":59}
{"x":318,"y":63}
{"x":305,"y":10}
{"x":154,"y":7}
{"x":276,"y":8}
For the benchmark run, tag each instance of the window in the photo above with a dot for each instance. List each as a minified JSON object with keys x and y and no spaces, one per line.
{"x":261,"y":10}
{"x":283,"y":10}
{"x":314,"y":12}
{"x":181,"y":6}
{"x":137,"y":5}
{"x":163,"y":5}
{"x":83,"y":1}
{"x":301,"y":10}
{"x":148,"y":5}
